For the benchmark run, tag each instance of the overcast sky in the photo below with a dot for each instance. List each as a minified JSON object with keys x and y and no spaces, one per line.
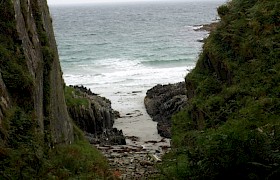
{"x":53,"y":2}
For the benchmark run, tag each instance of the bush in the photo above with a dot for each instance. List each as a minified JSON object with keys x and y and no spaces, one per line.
{"x":223,"y":10}
{"x":79,"y":160}
{"x":23,"y":155}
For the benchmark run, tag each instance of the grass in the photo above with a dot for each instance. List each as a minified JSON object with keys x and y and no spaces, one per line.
{"x":24,"y":155}
{"x":77,"y":161}
{"x":74,"y":97}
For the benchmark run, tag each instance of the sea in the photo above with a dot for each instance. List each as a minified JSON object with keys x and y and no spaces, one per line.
{"x":121,"y":50}
{"x":130,"y":46}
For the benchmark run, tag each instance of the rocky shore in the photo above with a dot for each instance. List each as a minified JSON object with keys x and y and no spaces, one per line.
{"x":162,"y":101}
{"x":135,"y":162}
{"x":129,"y":156}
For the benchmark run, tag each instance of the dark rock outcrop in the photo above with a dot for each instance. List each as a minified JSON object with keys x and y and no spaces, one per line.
{"x":163,"y":101}
{"x":96,"y":117}
{"x":109,"y":137}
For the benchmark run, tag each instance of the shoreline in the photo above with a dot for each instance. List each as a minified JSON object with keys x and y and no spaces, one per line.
{"x":144,"y":146}
{"x":134,"y":121}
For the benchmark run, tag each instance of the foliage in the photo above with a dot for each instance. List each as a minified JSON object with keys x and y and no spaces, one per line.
{"x":74,"y":97}
{"x":90,"y":164}
{"x":23,"y":155}
{"x":21,"y":149}
{"x":77,"y":161}
{"x":230,"y":127}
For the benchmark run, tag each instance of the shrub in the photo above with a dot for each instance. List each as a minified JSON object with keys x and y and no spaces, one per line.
{"x":223,"y":10}
{"x":23,"y":155}
{"x":79,"y":160}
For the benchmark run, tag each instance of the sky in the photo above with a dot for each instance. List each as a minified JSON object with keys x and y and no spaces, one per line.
{"x":56,"y":2}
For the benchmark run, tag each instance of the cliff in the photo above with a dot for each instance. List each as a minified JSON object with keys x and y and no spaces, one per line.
{"x":230,"y":126}
{"x":31,"y":75}
{"x":37,"y":137}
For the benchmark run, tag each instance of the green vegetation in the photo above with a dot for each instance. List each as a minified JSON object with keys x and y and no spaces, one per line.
{"x":23,"y":155}
{"x":25,"y":152}
{"x":230,"y":128}
{"x":78,"y":161}
{"x":13,"y":67}
{"x":74,"y":97}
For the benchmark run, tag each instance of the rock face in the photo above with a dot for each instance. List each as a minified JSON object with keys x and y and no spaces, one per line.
{"x":4,"y":100}
{"x":30,"y":34}
{"x":162,"y":101}
{"x":96,"y":117}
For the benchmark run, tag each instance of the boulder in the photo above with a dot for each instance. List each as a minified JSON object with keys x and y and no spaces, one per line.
{"x":163,"y":101}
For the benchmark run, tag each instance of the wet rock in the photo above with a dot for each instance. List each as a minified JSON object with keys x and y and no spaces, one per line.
{"x":111,"y":136}
{"x":163,"y":101}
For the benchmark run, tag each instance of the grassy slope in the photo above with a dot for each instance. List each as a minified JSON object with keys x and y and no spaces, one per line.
{"x":231,"y":127}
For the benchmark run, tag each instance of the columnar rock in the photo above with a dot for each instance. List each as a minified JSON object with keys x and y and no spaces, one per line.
{"x":163,"y":101}
{"x":94,"y":116}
